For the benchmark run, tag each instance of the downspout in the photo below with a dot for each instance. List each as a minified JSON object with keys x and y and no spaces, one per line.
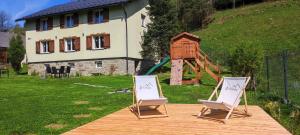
{"x":126,"y":37}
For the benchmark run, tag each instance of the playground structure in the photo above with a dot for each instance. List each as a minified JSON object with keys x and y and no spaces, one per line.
{"x":186,"y":54}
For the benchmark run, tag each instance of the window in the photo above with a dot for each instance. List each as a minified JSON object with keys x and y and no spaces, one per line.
{"x":99,"y":18}
{"x":143,"y":17}
{"x":98,"y":64}
{"x":44,"y":47}
{"x":69,"y":45}
{"x":98,"y":42}
{"x":69,"y":21}
{"x":44,"y":24}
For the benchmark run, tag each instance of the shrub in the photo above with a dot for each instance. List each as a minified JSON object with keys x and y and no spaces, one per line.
{"x":247,"y":60}
{"x":16,"y":52}
{"x":273,"y":108}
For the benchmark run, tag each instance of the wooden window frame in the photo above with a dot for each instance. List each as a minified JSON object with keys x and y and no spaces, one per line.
{"x":72,"y":45}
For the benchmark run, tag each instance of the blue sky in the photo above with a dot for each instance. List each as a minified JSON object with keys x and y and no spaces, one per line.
{"x":20,"y":8}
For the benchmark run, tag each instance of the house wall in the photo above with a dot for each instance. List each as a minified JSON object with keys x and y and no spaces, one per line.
{"x":3,"y":55}
{"x":115,"y":27}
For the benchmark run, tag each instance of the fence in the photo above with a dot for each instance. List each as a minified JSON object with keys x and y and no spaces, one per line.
{"x":282,"y":72}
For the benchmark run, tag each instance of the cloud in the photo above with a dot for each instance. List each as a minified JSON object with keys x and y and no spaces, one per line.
{"x":30,"y":6}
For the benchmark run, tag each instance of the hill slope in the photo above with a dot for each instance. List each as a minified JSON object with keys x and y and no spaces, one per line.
{"x":272,"y":25}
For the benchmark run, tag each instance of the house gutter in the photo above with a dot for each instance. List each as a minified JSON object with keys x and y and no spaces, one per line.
{"x":126,"y":37}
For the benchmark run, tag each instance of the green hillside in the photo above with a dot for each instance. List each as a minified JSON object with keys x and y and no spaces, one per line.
{"x":272,"y":25}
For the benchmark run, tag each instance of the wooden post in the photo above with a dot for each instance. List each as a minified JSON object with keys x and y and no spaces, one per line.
{"x":284,"y":58}
{"x":268,"y":77}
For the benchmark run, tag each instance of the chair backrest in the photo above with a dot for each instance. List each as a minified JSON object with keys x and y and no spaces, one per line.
{"x":146,"y":88}
{"x":48,"y":69}
{"x":68,"y":70}
{"x":62,"y":69}
{"x":54,"y":71}
{"x":232,"y":90}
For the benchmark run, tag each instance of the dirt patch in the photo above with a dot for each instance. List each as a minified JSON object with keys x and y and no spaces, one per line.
{"x":95,"y":108}
{"x":81,"y":102}
{"x":82,"y":116}
{"x":55,"y":126}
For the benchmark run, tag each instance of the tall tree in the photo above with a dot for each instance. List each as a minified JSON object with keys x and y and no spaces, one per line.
{"x":195,"y":13}
{"x":16,"y":52}
{"x":5,"y":21}
{"x":163,"y":27}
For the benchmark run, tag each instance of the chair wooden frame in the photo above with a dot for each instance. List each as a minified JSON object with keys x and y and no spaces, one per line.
{"x":232,"y":108}
{"x":136,"y":105}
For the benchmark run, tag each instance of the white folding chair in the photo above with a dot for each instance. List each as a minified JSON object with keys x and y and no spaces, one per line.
{"x":232,"y":90}
{"x":146,"y":93}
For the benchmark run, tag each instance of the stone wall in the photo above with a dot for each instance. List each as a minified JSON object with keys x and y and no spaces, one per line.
{"x":88,"y":67}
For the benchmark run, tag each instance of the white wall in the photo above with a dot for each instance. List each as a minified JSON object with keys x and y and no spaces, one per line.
{"x":115,"y":26}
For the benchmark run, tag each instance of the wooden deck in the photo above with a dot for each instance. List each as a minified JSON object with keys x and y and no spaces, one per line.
{"x":182,"y":120}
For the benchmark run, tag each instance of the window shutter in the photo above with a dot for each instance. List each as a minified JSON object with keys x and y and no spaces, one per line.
{"x":37,"y":47}
{"x":62,"y":21}
{"x":106,"y":38}
{"x":38,"y":25}
{"x":89,"y":42}
{"x":50,"y":23}
{"x":62,"y":45}
{"x":106,"y":14}
{"x":76,"y":19}
{"x":77,"y":43}
{"x":51,"y":46}
{"x":90,"y":17}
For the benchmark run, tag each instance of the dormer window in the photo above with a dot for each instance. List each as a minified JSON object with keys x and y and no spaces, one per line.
{"x":69,"y":21}
{"x":44,"y":24}
{"x":98,"y":16}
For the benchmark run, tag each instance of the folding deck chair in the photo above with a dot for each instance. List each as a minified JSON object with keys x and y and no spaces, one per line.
{"x":147,"y":93}
{"x":229,"y":98}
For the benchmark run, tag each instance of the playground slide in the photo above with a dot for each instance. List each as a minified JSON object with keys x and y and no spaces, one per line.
{"x":163,"y":62}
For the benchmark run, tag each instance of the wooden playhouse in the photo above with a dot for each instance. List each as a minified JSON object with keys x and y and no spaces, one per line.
{"x":187,"y":55}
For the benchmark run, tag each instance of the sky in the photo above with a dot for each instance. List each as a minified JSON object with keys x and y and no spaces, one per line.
{"x":19,"y":8}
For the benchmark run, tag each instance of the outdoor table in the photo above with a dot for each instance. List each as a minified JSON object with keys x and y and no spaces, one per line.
{"x":4,"y":71}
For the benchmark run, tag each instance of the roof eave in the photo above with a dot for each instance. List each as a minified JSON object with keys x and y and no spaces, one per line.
{"x":27,"y":18}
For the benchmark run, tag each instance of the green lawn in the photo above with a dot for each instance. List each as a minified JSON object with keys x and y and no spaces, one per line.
{"x":272,"y":25}
{"x":29,"y":104}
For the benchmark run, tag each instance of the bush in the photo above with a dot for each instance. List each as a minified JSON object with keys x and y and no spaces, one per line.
{"x":247,"y":60}
{"x":16,"y":52}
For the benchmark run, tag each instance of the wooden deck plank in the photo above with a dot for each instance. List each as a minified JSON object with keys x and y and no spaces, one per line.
{"x":182,"y":120}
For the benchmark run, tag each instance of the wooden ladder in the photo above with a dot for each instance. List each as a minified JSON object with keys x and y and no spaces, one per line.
{"x":205,"y":63}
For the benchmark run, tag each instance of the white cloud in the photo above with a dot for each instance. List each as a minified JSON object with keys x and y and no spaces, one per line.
{"x":30,"y":7}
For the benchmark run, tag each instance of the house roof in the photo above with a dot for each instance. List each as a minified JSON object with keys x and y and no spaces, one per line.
{"x":185,"y":34}
{"x":4,"y":39}
{"x":72,"y":6}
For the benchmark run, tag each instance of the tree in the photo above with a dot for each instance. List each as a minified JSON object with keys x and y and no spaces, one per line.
{"x":5,"y":21}
{"x":16,"y":52}
{"x":195,"y":14}
{"x":163,"y":27}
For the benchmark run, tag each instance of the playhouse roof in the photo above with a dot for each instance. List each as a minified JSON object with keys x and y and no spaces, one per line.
{"x":186,"y":34}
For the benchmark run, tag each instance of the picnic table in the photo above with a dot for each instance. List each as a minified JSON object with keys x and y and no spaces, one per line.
{"x":4,"y":71}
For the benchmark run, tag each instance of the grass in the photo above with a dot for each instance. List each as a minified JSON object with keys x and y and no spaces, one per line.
{"x":30,"y":105}
{"x":274,"y":26}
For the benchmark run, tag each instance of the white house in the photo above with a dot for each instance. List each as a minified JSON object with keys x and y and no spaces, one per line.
{"x":91,"y":36}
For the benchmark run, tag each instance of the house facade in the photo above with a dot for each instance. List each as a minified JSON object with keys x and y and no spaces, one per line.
{"x":91,"y":36}
{"x":4,"y":44}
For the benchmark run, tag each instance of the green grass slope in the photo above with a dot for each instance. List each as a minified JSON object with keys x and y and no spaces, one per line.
{"x":273,"y":26}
